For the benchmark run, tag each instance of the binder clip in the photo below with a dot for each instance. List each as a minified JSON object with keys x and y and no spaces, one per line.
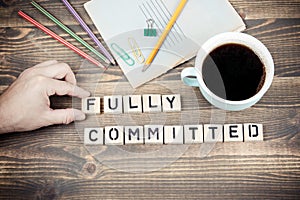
{"x":150,"y":31}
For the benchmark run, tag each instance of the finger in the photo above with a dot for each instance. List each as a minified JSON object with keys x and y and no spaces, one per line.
{"x":65,"y":116}
{"x":46,"y":63}
{"x":64,"y":88}
{"x":57,"y":71}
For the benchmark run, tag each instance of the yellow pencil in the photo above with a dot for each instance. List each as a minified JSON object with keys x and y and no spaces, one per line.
{"x":164,"y":34}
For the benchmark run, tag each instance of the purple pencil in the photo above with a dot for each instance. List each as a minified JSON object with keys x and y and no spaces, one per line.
{"x":89,"y":31}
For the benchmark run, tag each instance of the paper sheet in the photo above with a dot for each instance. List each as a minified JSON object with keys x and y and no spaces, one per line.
{"x":121,"y":22}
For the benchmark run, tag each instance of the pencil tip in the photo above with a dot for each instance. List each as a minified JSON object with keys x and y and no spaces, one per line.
{"x":145,"y":67}
{"x":113,"y":62}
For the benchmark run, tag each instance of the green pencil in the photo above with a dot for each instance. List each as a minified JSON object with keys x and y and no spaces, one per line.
{"x":69,"y":31}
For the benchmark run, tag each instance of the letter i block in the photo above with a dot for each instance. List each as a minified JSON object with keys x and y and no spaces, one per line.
{"x":154,"y":134}
{"x":152,"y":103}
{"x":132,"y":104}
{"x":114,"y":135}
{"x":91,"y":105}
{"x":213,"y":133}
{"x":171,"y":103}
{"x":134,"y":135}
{"x":253,"y":132}
{"x":193,"y":134}
{"x":113,"y":104}
{"x":173,"y":134}
{"x":93,"y":136}
{"x":233,"y":133}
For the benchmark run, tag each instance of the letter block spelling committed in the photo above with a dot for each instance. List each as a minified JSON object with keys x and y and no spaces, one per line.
{"x":93,"y":136}
{"x":152,"y":103}
{"x":213,"y":133}
{"x":91,"y":105}
{"x":132,"y":104}
{"x":114,"y":135}
{"x":193,"y":134}
{"x":154,"y":134}
{"x":134,"y":134}
{"x":173,"y":134}
{"x":171,"y":103}
{"x":113,"y":104}
{"x":233,"y":133}
{"x":253,"y":132}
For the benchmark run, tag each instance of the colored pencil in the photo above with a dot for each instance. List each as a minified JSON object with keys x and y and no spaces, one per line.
{"x":67,"y":44}
{"x":164,"y":34}
{"x":69,"y":31}
{"x":89,"y":31}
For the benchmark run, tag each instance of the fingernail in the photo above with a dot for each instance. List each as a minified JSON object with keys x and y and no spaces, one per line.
{"x":79,"y":115}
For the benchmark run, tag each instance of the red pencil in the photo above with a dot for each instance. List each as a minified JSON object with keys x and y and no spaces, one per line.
{"x":60,"y":39}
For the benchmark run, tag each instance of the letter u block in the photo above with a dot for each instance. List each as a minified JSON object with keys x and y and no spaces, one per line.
{"x":113,"y":104}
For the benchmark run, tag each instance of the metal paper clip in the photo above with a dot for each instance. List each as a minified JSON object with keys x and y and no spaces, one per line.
{"x":123,"y":55}
{"x":136,"y":50}
{"x":150,"y":31}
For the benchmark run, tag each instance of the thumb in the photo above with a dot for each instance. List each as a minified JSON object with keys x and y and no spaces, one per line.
{"x":65,"y":116}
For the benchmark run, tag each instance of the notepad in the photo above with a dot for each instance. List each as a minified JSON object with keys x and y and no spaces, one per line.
{"x":120,"y":21}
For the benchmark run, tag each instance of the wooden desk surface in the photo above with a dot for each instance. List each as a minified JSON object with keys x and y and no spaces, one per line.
{"x":52,"y":163}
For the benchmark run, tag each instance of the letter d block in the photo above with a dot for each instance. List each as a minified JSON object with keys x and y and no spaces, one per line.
{"x":253,"y":132}
{"x":93,"y":136}
{"x":91,"y":105}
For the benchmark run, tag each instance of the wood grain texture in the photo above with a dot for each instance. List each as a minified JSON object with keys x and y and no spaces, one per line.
{"x":52,"y":162}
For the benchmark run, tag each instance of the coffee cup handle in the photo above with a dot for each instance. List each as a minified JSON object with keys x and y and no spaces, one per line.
{"x":189,"y":77}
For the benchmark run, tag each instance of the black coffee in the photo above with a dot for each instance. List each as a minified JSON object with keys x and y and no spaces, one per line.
{"x":233,"y":72}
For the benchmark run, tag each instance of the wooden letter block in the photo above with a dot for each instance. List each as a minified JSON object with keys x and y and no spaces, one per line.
{"x":154,"y":134}
{"x":132,"y":104}
{"x":113,"y":104}
{"x":93,"y":136}
{"x":213,"y":133}
{"x":173,"y":134}
{"x":233,"y":133}
{"x":253,"y":132}
{"x":114,"y":135}
{"x":152,"y":103}
{"x":91,"y":105}
{"x":171,"y":103}
{"x":193,"y":134}
{"x":134,"y":135}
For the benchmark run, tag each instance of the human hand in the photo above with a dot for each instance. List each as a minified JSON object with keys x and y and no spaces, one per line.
{"x":25,"y":105}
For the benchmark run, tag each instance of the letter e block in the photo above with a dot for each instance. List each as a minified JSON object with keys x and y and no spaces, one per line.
{"x":253,"y":132}
{"x":193,"y":134}
{"x":114,"y":135}
{"x":213,"y":133}
{"x":113,"y":104}
{"x":93,"y":136}
{"x":152,"y":103}
{"x":134,"y":135}
{"x":91,"y":105}
{"x":233,"y":133}
{"x":132,"y":104}
{"x":171,"y":103}
{"x":173,"y":134}
{"x":154,"y":134}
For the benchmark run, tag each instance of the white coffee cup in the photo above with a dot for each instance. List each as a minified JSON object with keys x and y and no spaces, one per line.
{"x":192,"y":76}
